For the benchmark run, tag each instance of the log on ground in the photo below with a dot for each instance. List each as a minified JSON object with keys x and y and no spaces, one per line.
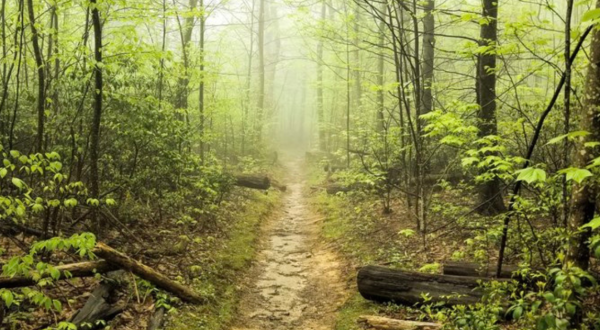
{"x":157,"y":319}
{"x":100,"y":305}
{"x":384,"y":323}
{"x":161,"y":281}
{"x":474,"y":269}
{"x":392,"y":285}
{"x":253,"y":181}
{"x":79,"y":269}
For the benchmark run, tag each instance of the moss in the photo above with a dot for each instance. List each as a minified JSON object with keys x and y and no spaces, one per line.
{"x":351,"y":310}
{"x":219,"y":280}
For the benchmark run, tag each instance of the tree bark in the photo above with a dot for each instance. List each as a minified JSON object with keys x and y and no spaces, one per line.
{"x":97,"y":116}
{"x":490,"y":194}
{"x":100,"y":305}
{"x":41,"y":72}
{"x":320,"y":107}
{"x":428,"y":55}
{"x":584,"y":195}
{"x":261,"y":71}
{"x":391,"y":285}
{"x":253,"y":181}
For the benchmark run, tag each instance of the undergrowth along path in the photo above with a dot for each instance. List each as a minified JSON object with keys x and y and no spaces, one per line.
{"x":296,"y":282}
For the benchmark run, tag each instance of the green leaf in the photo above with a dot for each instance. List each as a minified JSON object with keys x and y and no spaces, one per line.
{"x":3,"y":172}
{"x":591,"y":15}
{"x":57,"y":305}
{"x":18,"y":183}
{"x":531,"y":174}
{"x":593,"y":224}
{"x":575,"y":174}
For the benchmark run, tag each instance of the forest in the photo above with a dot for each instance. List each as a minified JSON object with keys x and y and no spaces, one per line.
{"x":299,"y":164}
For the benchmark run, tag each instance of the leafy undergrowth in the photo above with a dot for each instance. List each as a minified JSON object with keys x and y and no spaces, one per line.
{"x":355,"y":224}
{"x":211,"y":256}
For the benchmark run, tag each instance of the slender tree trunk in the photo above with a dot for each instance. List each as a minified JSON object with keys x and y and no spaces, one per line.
{"x":584,"y":195}
{"x":41,"y":72}
{"x":97,"y":105}
{"x":161,"y":74}
{"x":20,"y":42}
{"x":261,"y":71}
{"x":428,"y":56}
{"x":248,"y":82}
{"x":201,"y":88}
{"x":356,"y":59}
{"x":567,"y":105}
{"x":320,"y":110}
{"x":381,"y":71}
{"x":490,"y":194}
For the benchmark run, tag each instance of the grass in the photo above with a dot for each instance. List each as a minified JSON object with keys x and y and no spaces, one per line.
{"x":231,"y":260}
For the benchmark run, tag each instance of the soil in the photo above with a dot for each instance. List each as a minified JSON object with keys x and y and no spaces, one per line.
{"x":297,"y":281}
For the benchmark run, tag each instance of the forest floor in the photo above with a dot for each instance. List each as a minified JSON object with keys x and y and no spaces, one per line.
{"x":297,"y":281}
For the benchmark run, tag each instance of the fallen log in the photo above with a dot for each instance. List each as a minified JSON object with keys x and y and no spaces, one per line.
{"x":384,"y":323}
{"x":161,"y":281}
{"x":278,"y":185}
{"x":392,"y":285}
{"x":474,"y":269}
{"x":157,"y":319}
{"x":79,"y":269}
{"x":99,"y":306}
{"x":253,"y":181}
{"x":335,"y":188}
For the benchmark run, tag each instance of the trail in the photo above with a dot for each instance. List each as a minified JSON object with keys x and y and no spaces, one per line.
{"x":296,"y":282}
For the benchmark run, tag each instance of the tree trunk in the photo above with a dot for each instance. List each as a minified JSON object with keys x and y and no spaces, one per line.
{"x":157,"y":319}
{"x":201,"y":88}
{"x":320,"y":108}
{"x":583,"y":196}
{"x":253,"y":181}
{"x":391,"y":285}
{"x":261,"y":71}
{"x":100,"y":305}
{"x":41,"y":71}
{"x":490,"y":194}
{"x":428,"y":56}
{"x":97,"y":116}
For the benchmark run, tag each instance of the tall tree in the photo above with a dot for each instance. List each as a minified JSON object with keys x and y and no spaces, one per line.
{"x":428,"y":55}
{"x":98,"y":95}
{"x":202,"y":84}
{"x":41,"y":72}
{"x":490,"y":193}
{"x":320,"y":110}
{"x":584,"y":194}
{"x":261,"y":70}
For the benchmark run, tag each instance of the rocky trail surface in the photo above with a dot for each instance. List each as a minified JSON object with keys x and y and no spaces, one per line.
{"x":296,"y":282}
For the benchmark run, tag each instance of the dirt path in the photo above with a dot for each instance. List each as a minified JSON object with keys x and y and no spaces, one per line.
{"x":296,"y":282}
